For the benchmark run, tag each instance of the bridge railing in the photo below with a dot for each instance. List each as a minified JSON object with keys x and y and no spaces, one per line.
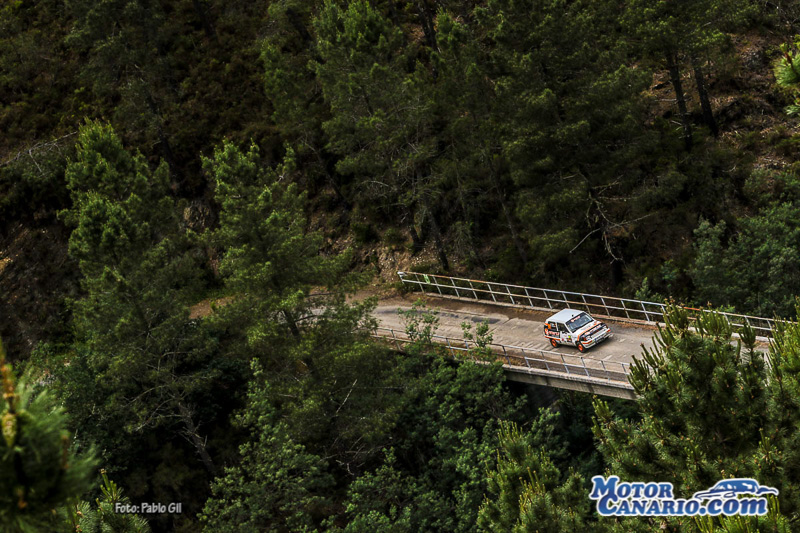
{"x":538,"y":298}
{"x":573,"y":365}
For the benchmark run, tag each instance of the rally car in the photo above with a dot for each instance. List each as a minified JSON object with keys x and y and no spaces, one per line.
{"x":576,"y":328}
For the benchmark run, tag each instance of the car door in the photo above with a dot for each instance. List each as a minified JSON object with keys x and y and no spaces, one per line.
{"x":563,"y":332}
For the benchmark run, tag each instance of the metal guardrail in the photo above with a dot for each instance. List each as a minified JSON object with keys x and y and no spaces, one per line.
{"x":573,"y":365}
{"x":537,"y":298}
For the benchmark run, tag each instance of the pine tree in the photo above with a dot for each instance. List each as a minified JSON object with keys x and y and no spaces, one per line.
{"x":129,"y":49}
{"x":148,"y":359}
{"x":104,"y":516}
{"x":270,"y":262}
{"x":279,"y":485}
{"x":287,"y":309}
{"x":383,"y":123}
{"x":702,"y":402}
{"x":566,"y":117}
{"x":776,"y":462}
{"x":787,"y":73}
{"x":40,"y":474}
{"x":672,"y":33}
{"x":526,"y":492}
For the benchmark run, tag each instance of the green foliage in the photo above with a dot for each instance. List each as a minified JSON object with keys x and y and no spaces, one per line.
{"x":420,"y":323}
{"x":694,"y":27}
{"x":521,"y":137}
{"x":279,"y":486}
{"x":363,"y":232}
{"x":104,"y":517}
{"x":393,"y":238}
{"x":443,"y":440}
{"x":270,"y":262}
{"x":692,"y":377}
{"x":140,"y":275}
{"x":686,"y":380}
{"x":40,"y":474}
{"x":481,"y":337}
{"x":527,"y":491}
{"x":786,"y":73}
{"x":566,"y":139}
{"x":141,"y":370}
{"x":33,"y":181}
{"x":756,"y":269}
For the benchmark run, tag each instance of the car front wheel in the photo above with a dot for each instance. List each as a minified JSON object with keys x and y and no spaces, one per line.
{"x":581,"y":347}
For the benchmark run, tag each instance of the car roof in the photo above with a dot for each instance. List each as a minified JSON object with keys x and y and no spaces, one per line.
{"x":564,"y":315}
{"x":736,"y":482}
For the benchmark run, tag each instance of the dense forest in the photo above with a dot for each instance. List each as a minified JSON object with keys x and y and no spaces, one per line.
{"x":192,"y":192}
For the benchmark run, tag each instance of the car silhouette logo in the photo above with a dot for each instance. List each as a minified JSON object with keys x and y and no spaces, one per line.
{"x":730,"y":488}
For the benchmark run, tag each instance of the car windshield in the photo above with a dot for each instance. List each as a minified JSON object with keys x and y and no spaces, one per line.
{"x":578,"y":322}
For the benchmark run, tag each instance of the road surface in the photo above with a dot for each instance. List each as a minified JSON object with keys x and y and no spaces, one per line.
{"x":514,"y":327}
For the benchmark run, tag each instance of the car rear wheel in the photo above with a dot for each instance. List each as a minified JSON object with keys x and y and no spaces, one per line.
{"x":581,"y":347}
{"x":554,"y":343}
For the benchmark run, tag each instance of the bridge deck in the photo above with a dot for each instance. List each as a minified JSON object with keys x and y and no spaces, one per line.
{"x":599,"y":372}
{"x":515,"y":327}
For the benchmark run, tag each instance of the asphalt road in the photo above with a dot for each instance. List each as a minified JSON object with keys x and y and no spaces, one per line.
{"x":516,"y":327}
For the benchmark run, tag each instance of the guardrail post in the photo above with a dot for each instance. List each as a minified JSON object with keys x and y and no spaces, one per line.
{"x":475,"y":294}
{"x":396,"y":342}
{"x":583,"y":362}
{"x":603,"y":364}
{"x":530,"y":302}
{"x":605,"y":306}
{"x":564,"y":363}
{"x":453,"y":283}
{"x":491,"y":290}
{"x":547,"y":298}
{"x":508,"y":360}
{"x":508,"y":290}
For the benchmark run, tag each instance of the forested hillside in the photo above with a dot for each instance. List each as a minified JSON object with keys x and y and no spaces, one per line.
{"x":262,"y":162}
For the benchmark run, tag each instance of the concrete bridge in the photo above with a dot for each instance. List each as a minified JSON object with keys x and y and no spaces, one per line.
{"x":516,"y":316}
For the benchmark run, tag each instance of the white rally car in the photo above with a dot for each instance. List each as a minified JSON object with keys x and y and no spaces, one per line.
{"x":577,"y":328}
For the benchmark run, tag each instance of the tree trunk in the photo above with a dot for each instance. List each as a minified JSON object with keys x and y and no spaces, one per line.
{"x":616,"y":273}
{"x":290,"y":321}
{"x":296,"y":21}
{"x":501,"y":195}
{"x":190,"y":432}
{"x":437,"y":240}
{"x":675,"y":78}
{"x":705,"y":104}
{"x":200,"y":9}
{"x":166,"y":147}
{"x":329,"y":168}
{"x":473,"y":251}
{"x":415,"y":238}
{"x":426,"y":19}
